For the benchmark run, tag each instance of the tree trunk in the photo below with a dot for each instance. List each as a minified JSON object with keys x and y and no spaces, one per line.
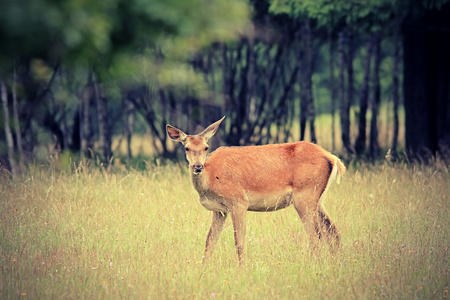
{"x":242,"y":111}
{"x":8,"y":134}
{"x":307,"y":37}
{"x":103,"y":124}
{"x":163,"y":137}
{"x":332,"y":88}
{"x":85,"y":120}
{"x":76,"y":134}
{"x":228,"y":73}
{"x":250,"y":84}
{"x":344,"y":104}
{"x":350,"y":84}
{"x":17,"y":123}
{"x":360,"y":143}
{"x":426,"y":85}
{"x":395,"y":91}
{"x":281,"y":108}
{"x":374,"y":146}
{"x":129,"y":125}
{"x":267,"y":97}
{"x":307,"y":112}
{"x":303,"y":97}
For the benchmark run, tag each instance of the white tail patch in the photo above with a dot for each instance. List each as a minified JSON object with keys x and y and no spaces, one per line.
{"x":336,"y":173}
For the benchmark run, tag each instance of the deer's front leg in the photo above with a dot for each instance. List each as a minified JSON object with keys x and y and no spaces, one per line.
{"x":238,"y":215}
{"x":218,"y":222}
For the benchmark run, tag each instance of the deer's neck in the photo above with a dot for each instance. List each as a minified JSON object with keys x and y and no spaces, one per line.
{"x":199,"y":182}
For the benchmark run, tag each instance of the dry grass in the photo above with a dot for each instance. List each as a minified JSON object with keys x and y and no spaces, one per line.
{"x":88,"y":234}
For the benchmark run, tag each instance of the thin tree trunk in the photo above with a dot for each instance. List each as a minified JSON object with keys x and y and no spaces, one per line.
{"x":235,"y":129}
{"x":374,"y":145}
{"x":250,"y":78}
{"x":303,"y":66}
{"x":163,"y":137}
{"x":76,"y":135}
{"x":290,"y":118}
{"x":8,"y":134}
{"x":332,"y":87}
{"x":360,"y":143}
{"x":210,"y":68}
{"x":344,"y":105}
{"x":350,"y":77}
{"x":103,"y":126}
{"x":242,"y":107}
{"x":17,"y":123}
{"x":395,"y":91}
{"x":228,"y":73}
{"x":265,"y":122}
{"x":281,"y":108}
{"x":85,"y":120}
{"x":350,"y":87}
{"x":307,"y":38}
{"x":129,"y":125}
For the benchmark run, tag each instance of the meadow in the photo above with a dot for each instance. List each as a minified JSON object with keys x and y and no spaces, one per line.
{"x":85,"y":233}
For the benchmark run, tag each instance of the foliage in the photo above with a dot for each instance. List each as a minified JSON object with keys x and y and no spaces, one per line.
{"x":362,"y":14}
{"x":89,"y":31}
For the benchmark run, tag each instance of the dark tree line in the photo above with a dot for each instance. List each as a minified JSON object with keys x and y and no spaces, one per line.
{"x":266,"y":81}
{"x":426,"y":83}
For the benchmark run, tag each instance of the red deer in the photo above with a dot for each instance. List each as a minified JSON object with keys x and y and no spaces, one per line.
{"x":234,"y":180}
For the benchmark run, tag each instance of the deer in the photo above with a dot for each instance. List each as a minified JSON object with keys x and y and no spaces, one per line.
{"x":237,"y":179}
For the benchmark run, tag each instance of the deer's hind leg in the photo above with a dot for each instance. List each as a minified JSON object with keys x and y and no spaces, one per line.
{"x":329,"y":229}
{"x":306,"y":204}
{"x":317,"y":223}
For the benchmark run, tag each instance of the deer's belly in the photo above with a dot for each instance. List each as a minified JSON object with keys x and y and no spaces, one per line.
{"x":271,"y":202}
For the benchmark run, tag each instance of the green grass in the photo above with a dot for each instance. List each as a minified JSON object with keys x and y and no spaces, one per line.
{"x":89,"y":234}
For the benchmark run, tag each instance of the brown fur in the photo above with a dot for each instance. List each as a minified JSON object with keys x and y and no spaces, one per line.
{"x":234,"y":180}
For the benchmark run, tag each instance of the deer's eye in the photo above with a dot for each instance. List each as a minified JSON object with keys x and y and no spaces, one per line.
{"x":206,"y":149}
{"x":187,"y":149}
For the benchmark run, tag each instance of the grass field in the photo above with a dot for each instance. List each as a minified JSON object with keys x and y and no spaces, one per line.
{"x":90,"y":234}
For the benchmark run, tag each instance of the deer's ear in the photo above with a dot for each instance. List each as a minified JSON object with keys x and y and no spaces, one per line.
{"x":176,"y":134}
{"x":211,"y":129}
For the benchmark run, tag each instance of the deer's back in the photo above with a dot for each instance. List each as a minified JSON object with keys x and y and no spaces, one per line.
{"x":268,"y":168}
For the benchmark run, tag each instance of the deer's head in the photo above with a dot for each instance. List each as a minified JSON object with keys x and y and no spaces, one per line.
{"x":195,"y":146}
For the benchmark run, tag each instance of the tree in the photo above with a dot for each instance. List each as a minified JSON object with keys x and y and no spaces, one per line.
{"x":374,"y":146}
{"x":395,"y":89}
{"x":344,"y":89}
{"x":307,"y":112}
{"x":427,"y":81}
{"x":8,"y":134}
{"x":360,"y":143}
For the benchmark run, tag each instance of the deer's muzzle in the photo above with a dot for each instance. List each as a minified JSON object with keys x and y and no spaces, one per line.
{"x":197,"y":169}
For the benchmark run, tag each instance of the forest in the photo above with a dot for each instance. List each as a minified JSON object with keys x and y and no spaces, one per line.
{"x":75,"y":76}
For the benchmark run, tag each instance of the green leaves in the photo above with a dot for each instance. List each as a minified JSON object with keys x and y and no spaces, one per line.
{"x":361,"y":14}
{"x":94,"y":31}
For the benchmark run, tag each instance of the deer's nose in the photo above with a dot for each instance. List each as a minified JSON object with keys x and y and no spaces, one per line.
{"x":197,"y":168}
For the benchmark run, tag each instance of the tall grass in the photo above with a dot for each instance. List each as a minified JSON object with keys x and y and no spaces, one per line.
{"x":90,"y":234}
